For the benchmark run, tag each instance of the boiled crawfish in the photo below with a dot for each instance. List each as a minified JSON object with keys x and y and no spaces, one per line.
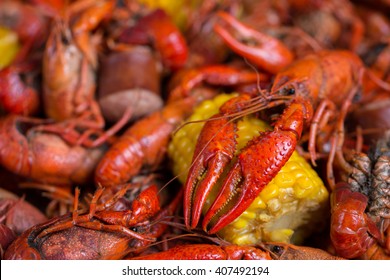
{"x":361,"y":207}
{"x":158,"y":30}
{"x":18,"y":91}
{"x":307,"y":85}
{"x":226,"y":251}
{"x":43,"y":156}
{"x":100,"y":234}
{"x":69,"y":70}
{"x":209,"y":252}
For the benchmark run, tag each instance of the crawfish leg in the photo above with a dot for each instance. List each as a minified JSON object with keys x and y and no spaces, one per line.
{"x":337,"y":141}
{"x":110,"y":201}
{"x":108,"y":133}
{"x":97,"y":225}
{"x":319,"y":120}
{"x":61,"y":197}
{"x":67,"y":224}
{"x":76,"y":219}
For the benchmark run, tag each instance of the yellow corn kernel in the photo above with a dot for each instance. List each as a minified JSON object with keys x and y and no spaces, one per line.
{"x":240,"y":223}
{"x":271,"y":191}
{"x":249,"y":215}
{"x":291,"y":165}
{"x":281,"y":235}
{"x":245,"y":239}
{"x":302,"y":187}
{"x":284,"y":180}
{"x":258,"y":203}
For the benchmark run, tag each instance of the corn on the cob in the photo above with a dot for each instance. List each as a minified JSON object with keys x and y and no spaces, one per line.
{"x":290,"y":208}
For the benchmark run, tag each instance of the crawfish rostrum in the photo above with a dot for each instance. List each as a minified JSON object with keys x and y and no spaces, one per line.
{"x":94,"y":93}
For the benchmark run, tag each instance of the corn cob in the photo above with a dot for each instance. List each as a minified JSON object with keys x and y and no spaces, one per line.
{"x":289,"y":209}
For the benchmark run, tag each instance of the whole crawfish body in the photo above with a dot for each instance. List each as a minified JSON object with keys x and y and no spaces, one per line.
{"x":43,"y":156}
{"x":316,"y":87}
{"x":68,"y":79}
{"x":70,"y":63}
{"x":104,"y":234}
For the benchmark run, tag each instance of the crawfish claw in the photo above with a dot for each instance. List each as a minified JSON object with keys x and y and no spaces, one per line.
{"x":265,"y":51}
{"x":210,"y":159}
{"x":256,"y":165}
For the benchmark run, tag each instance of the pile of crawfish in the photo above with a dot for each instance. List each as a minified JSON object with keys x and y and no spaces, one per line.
{"x":97,"y":89}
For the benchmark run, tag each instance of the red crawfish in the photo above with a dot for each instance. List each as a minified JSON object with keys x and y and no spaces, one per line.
{"x":315,"y":96}
{"x":266,"y":251}
{"x":158,"y":30}
{"x":361,"y":207}
{"x":263,"y":50}
{"x":43,"y":156}
{"x":352,"y":231}
{"x":209,"y":252}
{"x":19,"y":93}
{"x":69,"y":65}
{"x":99,"y":234}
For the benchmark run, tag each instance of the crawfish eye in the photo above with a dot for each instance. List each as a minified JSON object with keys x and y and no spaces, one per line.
{"x":290,"y":91}
{"x":276,"y":249}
